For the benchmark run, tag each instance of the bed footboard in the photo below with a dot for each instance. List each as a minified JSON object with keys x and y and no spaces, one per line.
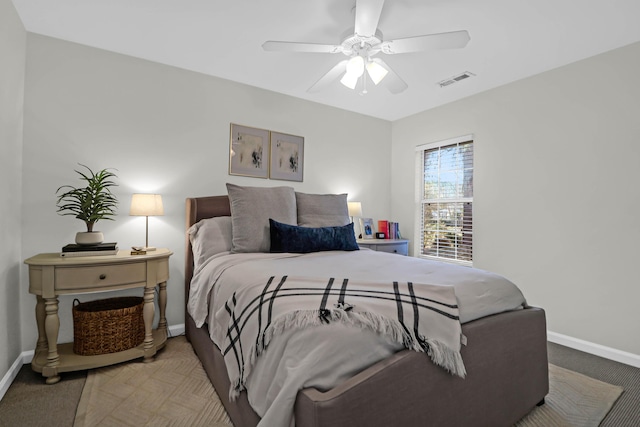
{"x":507,"y":375}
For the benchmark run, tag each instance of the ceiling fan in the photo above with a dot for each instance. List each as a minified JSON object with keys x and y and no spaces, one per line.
{"x":363,"y":43}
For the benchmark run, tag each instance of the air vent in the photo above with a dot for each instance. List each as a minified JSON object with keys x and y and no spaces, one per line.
{"x":455,"y":79}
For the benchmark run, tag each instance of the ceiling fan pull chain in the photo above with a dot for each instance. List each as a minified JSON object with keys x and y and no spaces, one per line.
{"x":364,"y":84}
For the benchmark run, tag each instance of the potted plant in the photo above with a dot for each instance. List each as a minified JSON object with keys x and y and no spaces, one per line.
{"x":90,"y":203}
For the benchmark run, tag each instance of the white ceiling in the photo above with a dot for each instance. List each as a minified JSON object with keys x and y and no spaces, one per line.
{"x":510,"y":40}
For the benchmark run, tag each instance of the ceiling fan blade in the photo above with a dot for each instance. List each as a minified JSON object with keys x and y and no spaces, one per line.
{"x":339,"y":69}
{"x":275,"y":46}
{"x":367,"y":16}
{"x":392,"y":80}
{"x":452,"y":40}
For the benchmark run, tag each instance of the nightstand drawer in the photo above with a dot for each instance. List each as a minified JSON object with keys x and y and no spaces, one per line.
{"x":392,"y":246}
{"x":400,"y":248}
{"x":100,"y":276}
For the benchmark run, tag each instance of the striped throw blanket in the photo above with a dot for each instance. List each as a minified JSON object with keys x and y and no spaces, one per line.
{"x":422,"y":317}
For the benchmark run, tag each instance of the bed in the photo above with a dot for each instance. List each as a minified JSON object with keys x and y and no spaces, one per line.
{"x":505,"y":356}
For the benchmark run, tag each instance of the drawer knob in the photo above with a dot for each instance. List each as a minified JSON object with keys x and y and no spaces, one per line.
{"x":103,"y":276}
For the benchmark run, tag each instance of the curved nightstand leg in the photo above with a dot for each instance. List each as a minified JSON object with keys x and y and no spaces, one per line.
{"x":51,"y":326}
{"x":40,"y":316}
{"x":148,"y":312}
{"x":162,"y":304}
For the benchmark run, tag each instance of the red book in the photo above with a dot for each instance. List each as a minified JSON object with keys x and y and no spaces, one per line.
{"x":383,"y":227}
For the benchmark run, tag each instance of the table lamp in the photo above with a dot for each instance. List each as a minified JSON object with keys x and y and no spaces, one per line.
{"x":146,"y":205}
{"x":355,"y":210}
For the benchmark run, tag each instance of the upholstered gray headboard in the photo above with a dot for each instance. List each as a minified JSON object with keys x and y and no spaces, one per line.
{"x":198,"y":208}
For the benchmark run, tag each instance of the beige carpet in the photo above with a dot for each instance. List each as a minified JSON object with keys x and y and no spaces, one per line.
{"x":574,"y":400}
{"x":175,"y":391}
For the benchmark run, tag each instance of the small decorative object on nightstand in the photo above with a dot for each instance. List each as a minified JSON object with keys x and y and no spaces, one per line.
{"x":51,"y":275}
{"x":366,"y":227}
{"x":394,"y":246}
{"x":91,"y":203}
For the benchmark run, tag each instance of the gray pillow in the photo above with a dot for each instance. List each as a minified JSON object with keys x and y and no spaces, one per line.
{"x":251,"y":208}
{"x":322,"y":210}
{"x":209,"y":237}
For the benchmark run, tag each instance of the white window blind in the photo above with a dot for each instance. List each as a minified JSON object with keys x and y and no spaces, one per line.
{"x":444,"y":186}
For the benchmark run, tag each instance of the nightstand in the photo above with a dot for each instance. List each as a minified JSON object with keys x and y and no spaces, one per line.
{"x":394,"y":246}
{"x":51,"y":275}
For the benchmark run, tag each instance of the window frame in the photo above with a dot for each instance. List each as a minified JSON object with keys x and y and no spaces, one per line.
{"x":420,"y":201}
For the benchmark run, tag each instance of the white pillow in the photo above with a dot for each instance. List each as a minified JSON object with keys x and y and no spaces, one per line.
{"x":209,"y":237}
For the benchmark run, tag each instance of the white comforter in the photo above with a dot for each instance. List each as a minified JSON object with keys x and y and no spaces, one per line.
{"x":325,"y":356}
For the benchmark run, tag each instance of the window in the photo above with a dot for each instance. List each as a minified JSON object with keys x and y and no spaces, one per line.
{"x":444,"y":189}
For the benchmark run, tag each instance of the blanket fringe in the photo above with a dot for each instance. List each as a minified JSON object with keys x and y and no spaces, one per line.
{"x":440,"y":354}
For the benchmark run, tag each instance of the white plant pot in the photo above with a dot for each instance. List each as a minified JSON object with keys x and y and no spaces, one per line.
{"x":89,"y":237}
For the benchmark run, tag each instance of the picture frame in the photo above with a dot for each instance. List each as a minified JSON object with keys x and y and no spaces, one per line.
{"x":248,"y":151}
{"x":367,"y":229}
{"x":287,"y":157}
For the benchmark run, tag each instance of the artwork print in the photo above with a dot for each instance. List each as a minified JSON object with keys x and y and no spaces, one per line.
{"x":248,"y":149}
{"x":287,"y":157}
{"x":248,"y":152}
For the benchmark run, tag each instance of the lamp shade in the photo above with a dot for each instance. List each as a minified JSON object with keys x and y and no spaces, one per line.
{"x":349,"y":80}
{"x":355,"y":66}
{"x":376,"y":71}
{"x":355,"y":208}
{"x":146,"y":205}
{"x":355,"y":69}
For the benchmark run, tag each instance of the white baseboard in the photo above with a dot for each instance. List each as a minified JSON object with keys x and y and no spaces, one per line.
{"x":12,"y":373}
{"x":176,"y":330}
{"x":595,"y":349}
{"x":26,"y":357}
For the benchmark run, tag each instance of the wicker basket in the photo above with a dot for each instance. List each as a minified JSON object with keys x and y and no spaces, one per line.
{"x":108,"y":325}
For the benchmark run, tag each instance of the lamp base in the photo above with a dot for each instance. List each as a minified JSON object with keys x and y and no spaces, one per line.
{"x":143,"y":248}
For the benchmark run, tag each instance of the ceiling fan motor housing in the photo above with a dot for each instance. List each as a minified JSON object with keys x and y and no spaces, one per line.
{"x":365,"y":46}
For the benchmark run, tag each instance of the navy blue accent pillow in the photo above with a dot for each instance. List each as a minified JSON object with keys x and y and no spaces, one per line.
{"x":302,"y":240}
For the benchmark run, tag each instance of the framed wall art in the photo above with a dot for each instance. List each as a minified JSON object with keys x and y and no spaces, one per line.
{"x":287,"y":157}
{"x":249,"y":151}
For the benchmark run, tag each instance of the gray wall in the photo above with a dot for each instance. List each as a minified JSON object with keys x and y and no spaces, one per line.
{"x":12,"y":52}
{"x":166,"y":130}
{"x":557,"y":167}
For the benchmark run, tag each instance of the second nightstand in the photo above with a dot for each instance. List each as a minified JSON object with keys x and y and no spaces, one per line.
{"x":394,"y":246}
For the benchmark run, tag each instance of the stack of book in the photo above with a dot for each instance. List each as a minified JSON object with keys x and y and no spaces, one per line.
{"x":390,"y":229}
{"x":73,"y":249}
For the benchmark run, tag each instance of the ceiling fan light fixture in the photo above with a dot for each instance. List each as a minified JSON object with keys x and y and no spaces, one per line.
{"x":349,"y":80}
{"x":355,"y":66}
{"x":376,"y":71}
{"x":355,"y":69}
